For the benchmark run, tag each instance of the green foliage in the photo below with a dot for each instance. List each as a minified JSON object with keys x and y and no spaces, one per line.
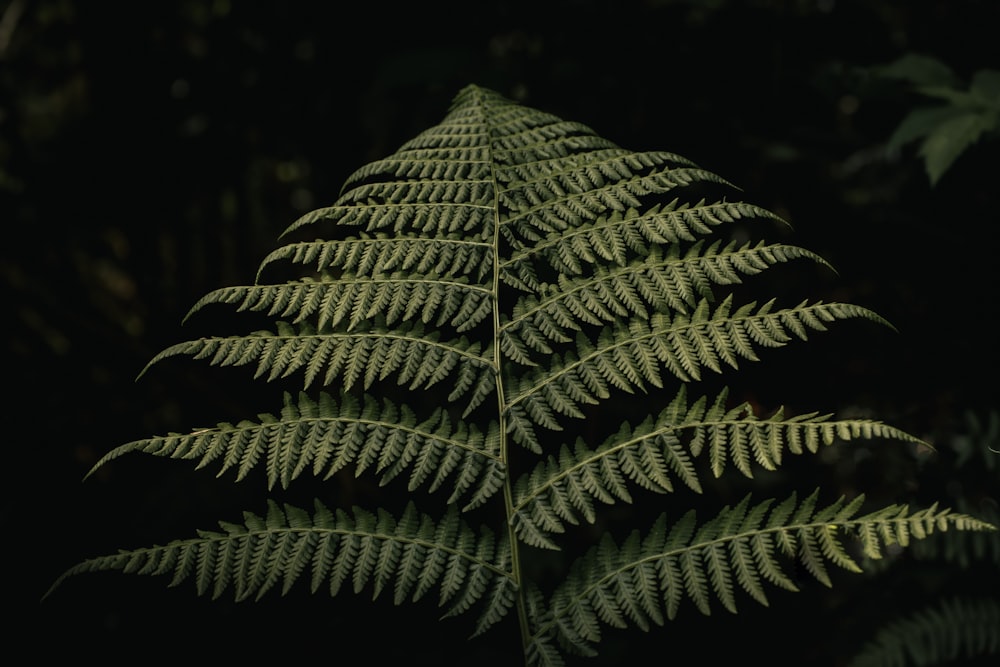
{"x":974,"y":486}
{"x":943,"y":633}
{"x":964,"y":114}
{"x":956,"y":617}
{"x":489,"y":297}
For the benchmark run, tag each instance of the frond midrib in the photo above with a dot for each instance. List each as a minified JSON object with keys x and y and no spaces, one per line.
{"x":516,"y":573}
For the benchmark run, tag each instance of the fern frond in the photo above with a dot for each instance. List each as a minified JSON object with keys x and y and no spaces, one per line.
{"x":740,"y":436}
{"x":611,"y":236}
{"x":554,"y":174}
{"x":325,"y":435}
{"x":568,"y":172}
{"x":367,"y":256}
{"x":964,"y":548}
{"x":948,"y":632}
{"x":411,"y":557}
{"x":525,"y":268}
{"x":431,"y":220}
{"x":536,"y":212}
{"x":404,"y":192}
{"x":894,"y":525}
{"x":561,"y":489}
{"x":528,"y":183}
{"x":455,"y":205}
{"x":629,"y":359}
{"x":417,"y":358}
{"x":354,"y":300}
{"x":657,"y":282}
{"x":742,"y":548}
{"x":546,"y":649}
{"x":436,"y":184}
{"x":427,"y":164}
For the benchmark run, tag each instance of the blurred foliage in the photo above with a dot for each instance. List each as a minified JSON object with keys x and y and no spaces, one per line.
{"x":936,"y":602}
{"x":964,"y":114}
{"x":150,"y":152}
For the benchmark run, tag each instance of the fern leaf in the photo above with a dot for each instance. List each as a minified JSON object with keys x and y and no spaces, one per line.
{"x":641,"y":231}
{"x":697,"y":562}
{"x":430,"y":219}
{"x":456,"y":200}
{"x":963,"y":549}
{"x":326,"y":435}
{"x":501,"y":598}
{"x":569,"y":485}
{"x":425,"y":165}
{"x":368,"y":549}
{"x":532,"y":269}
{"x":415,"y":357}
{"x":652,"y":454}
{"x":354,"y":300}
{"x":658,"y":282}
{"x":682,"y":344}
{"x":538,"y":209}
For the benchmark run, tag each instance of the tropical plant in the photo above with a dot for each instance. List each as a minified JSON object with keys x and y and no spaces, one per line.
{"x":491,"y":298}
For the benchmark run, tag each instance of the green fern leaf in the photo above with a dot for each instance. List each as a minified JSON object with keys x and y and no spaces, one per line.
{"x":441,"y":218}
{"x":325,"y":436}
{"x":276,"y":550}
{"x":564,"y":489}
{"x":616,"y":236}
{"x":657,"y":283}
{"x":354,"y":300}
{"x":527,"y":270}
{"x":698,"y":562}
{"x":683,"y":345}
{"x":539,"y":211}
{"x":415,"y":357}
{"x":368,"y":256}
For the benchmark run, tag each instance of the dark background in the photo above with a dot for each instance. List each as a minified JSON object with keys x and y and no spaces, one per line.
{"x":153,"y":151}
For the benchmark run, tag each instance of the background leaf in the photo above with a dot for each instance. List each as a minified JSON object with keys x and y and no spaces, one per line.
{"x":919,"y":123}
{"x":946,"y":142}
{"x":986,"y":87}
{"x":920,"y":70}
